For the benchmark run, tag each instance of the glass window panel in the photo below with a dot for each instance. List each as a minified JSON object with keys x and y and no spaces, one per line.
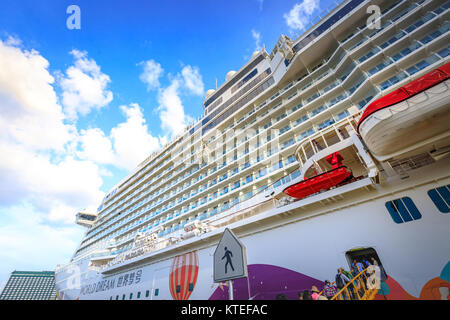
{"x":393,"y":211}
{"x":412,"y":209}
{"x":441,"y":198}
{"x":403,"y":210}
{"x":444,"y":52}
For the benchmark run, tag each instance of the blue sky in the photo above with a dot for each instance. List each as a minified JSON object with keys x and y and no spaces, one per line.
{"x":81,"y":108}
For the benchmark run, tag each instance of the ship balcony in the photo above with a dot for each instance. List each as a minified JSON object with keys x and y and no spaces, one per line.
{"x":85,"y":219}
{"x":340,"y":137}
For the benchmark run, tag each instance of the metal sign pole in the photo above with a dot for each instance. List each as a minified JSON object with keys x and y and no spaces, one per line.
{"x":230,"y":289}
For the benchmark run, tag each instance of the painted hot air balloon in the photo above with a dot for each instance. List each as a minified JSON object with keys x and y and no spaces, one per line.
{"x":183,"y":275}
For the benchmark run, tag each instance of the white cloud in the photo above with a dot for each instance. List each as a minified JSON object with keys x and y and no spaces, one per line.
{"x":29,"y":112}
{"x":13,"y":41}
{"x":171,"y":110}
{"x":300,"y":15}
{"x":96,"y":146}
{"x":193,"y":80}
{"x":36,"y":177}
{"x":84,"y":86}
{"x":257,"y":37}
{"x":36,"y":163}
{"x":132,"y":140}
{"x":151,"y":74}
{"x":128,"y":144}
{"x":42,"y":182}
{"x":27,"y":242}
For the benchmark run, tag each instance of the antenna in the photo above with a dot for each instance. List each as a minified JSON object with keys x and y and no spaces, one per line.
{"x":216,"y":83}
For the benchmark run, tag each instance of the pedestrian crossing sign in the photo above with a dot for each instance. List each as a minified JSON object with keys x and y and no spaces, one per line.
{"x":230,"y":258}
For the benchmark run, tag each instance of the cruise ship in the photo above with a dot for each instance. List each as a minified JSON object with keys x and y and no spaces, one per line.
{"x":333,"y":147}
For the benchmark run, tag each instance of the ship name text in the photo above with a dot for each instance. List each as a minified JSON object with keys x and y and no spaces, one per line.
{"x":104,"y":285}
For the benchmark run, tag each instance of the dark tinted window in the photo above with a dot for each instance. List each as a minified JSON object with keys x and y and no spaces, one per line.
{"x":403,"y":210}
{"x":441,"y":198}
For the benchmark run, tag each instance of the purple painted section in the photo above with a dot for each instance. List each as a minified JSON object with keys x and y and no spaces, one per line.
{"x":265,"y":282}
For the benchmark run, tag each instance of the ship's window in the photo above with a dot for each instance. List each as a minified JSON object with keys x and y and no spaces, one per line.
{"x":262,"y":172}
{"x":403,"y":210}
{"x":393,"y":80}
{"x":433,"y":35}
{"x":422,"y":64}
{"x":441,"y":198}
{"x":444,"y":52}
{"x":268,"y":124}
{"x":156,"y":292}
{"x":291,"y":158}
{"x":295,"y":174}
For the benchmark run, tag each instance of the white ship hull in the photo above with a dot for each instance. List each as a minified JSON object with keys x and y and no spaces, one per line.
{"x":299,"y":251}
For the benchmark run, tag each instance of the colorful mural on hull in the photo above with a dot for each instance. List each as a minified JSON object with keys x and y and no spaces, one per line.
{"x":265,"y":282}
{"x":435,"y":289}
{"x":183,"y":275}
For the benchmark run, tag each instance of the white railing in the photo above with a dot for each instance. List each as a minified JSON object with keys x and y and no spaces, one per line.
{"x":327,"y":137}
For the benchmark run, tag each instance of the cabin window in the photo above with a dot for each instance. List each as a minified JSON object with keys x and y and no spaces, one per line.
{"x":123,"y":297}
{"x":441,"y":198}
{"x":147,"y":293}
{"x":403,"y":210}
{"x":191,"y":287}
{"x":156,"y":292}
{"x":139,"y":295}
{"x":178,"y":289}
{"x":131,"y":296}
{"x":444,"y":52}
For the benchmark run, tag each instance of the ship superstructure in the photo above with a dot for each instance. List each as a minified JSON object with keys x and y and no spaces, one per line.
{"x":271,"y":125}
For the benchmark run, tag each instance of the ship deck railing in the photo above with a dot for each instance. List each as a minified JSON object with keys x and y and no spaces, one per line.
{"x":323,"y":139}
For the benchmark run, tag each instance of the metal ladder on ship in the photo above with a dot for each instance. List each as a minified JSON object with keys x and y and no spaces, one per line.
{"x":361,"y":287}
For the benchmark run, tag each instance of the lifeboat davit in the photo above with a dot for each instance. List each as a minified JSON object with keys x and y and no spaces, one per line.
{"x":411,"y":115}
{"x":321,"y":182}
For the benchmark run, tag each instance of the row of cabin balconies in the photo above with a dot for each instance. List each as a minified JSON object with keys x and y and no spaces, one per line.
{"x":291,"y":85}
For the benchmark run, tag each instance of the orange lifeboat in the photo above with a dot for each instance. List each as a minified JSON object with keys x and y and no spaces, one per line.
{"x":321,"y":182}
{"x":409,"y":116}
